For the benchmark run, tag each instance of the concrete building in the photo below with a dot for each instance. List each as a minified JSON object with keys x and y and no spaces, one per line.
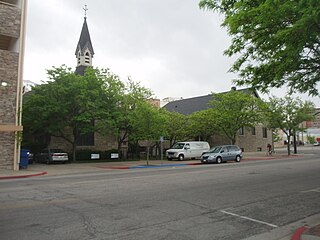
{"x":12,"y":35}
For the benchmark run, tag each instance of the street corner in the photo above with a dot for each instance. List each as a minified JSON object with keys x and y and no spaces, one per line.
{"x":311,"y":233}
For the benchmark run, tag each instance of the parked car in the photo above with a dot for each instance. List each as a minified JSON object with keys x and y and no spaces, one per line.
{"x":183,"y":150}
{"x":52,"y":155}
{"x":222,"y":153}
{"x":316,"y":144}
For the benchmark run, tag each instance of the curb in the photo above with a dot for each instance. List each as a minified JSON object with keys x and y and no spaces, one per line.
{"x":24,"y":176}
{"x":297,"y":234}
{"x":151,"y":166}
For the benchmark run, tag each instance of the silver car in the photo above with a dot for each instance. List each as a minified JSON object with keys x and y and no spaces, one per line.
{"x":222,"y":153}
{"x":52,"y":155}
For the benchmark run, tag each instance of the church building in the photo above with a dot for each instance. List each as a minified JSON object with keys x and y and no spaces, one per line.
{"x":90,"y":142}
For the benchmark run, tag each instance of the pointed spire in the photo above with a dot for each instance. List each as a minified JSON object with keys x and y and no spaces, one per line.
{"x":84,"y":40}
{"x":84,"y":51}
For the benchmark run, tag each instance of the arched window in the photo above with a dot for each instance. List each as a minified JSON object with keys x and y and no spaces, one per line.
{"x":87,"y":58}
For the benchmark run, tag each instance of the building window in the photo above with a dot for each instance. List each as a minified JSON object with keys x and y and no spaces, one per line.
{"x":86,"y":139}
{"x":241,"y":131}
{"x":264,"y":132}
{"x":87,"y":57}
{"x":253,"y":131}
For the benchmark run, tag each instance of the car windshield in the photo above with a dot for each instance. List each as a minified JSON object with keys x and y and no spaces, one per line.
{"x":56,"y":150}
{"x":178,"y":146}
{"x":215,"y":150}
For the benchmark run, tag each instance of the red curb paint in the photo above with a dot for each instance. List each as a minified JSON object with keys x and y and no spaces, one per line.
{"x":297,"y":234}
{"x":24,"y":176}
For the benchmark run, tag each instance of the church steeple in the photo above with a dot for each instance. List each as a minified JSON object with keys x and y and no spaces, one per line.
{"x":84,"y":51}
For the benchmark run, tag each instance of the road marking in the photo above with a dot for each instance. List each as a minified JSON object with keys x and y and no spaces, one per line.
{"x":312,"y":190}
{"x":250,"y":219}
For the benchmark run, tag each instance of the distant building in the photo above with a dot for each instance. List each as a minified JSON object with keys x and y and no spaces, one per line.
{"x":27,"y":85}
{"x":316,"y":122}
{"x":249,"y":139}
{"x":12,"y":37}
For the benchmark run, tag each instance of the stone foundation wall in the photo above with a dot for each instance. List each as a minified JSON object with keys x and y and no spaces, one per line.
{"x":6,"y":150}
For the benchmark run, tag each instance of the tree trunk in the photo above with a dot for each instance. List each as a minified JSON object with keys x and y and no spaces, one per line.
{"x":288,"y":144}
{"x":294,"y":142}
{"x":148,"y":149}
{"x":74,"y":146}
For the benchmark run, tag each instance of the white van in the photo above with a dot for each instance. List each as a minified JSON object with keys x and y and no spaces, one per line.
{"x":182,"y":150}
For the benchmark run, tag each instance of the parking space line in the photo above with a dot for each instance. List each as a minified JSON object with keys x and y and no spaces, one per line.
{"x":248,"y":218}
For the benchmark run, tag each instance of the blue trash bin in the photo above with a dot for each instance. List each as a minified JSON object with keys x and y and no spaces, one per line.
{"x":24,"y":158}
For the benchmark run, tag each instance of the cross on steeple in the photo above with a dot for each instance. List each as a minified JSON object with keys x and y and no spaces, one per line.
{"x":85,"y":10}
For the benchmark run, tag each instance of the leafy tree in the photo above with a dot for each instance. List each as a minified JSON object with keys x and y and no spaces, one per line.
{"x":233,"y":110}
{"x":176,"y":126}
{"x":148,"y":124}
{"x":73,"y":103}
{"x":202,"y":124}
{"x":311,"y":139}
{"x":287,"y":114}
{"x":132,"y":95}
{"x":276,"y":42}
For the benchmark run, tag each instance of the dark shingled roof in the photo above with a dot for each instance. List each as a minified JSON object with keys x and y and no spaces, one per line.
{"x":84,"y":40}
{"x":191,"y":105}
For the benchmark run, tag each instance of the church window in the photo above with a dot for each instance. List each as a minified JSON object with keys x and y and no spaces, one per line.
{"x":86,"y":139}
{"x":87,"y":58}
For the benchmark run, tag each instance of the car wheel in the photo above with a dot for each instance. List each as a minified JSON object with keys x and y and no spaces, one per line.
{"x":181,"y":157}
{"x":238,"y":158}
{"x":219,"y":160}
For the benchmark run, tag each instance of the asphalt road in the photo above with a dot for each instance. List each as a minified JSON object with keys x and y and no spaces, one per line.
{"x":227,"y":201}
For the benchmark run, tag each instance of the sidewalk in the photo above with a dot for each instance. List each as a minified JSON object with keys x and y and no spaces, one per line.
{"x":300,"y":231}
{"x":34,"y":170}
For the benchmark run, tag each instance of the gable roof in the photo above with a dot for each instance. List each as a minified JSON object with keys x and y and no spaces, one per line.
{"x":84,"y":40}
{"x":191,"y":105}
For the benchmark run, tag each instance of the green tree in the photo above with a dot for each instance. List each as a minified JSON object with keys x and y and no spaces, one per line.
{"x":73,"y":103}
{"x":148,"y":124}
{"x":176,"y":126}
{"x":287,"y":114}
{"x":276,"y":42}
{"x":235,"y":110}
{"x":202,"y":124}
{"x":132,"y":95}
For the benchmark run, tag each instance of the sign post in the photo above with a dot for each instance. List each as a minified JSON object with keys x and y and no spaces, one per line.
{"x":161,"y":148}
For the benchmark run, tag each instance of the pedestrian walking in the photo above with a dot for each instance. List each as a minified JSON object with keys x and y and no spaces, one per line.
{"x":269,"y":149}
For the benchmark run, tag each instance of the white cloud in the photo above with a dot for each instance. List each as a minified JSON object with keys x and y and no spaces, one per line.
{"x":170,"y":46}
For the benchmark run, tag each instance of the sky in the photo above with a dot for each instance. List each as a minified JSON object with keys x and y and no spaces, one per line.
{"x":171,"y":46}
